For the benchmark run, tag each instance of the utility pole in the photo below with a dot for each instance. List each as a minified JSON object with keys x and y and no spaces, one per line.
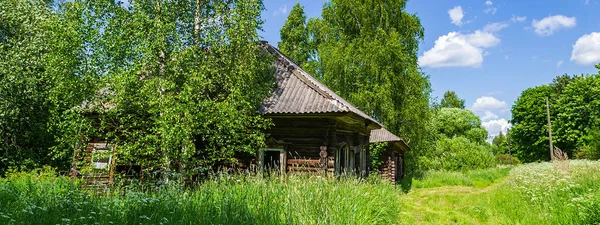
{"x":508,"y":144}
{"x":549,"y":129}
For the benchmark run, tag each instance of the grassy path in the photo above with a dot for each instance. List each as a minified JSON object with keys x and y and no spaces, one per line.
{"x":536,"y":193}
{"x":449,"y":205}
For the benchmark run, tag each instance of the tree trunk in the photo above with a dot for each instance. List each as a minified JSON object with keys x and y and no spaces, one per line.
{"x":199,"y":4}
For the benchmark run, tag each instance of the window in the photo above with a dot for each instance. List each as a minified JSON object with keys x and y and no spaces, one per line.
{"x":345,"y":160}
{"x":101,"y":156}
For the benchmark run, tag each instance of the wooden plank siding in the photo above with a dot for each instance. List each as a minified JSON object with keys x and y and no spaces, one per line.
{"x":303,"y":138}
{"x":392,"y":168}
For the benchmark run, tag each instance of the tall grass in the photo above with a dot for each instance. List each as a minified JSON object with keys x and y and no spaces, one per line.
{"x":472,"y":178}
{"x":565,"y":192}
{"x":42,"y":198}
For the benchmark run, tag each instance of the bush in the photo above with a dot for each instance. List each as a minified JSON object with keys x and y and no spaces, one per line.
{"x":590,"y":150}
{"x":458,"y":154}
{"x":504,"y":159}
{"x":587,"y":152}
{"x":473,"y":178}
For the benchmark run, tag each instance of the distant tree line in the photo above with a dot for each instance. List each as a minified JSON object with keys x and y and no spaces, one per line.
{"x":575,"y":114}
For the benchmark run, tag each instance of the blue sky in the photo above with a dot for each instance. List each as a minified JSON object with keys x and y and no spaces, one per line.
{"x":489,"y":51}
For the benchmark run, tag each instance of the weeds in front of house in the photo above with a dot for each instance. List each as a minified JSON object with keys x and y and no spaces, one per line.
{"x":538,"y":193}
{"x":40,"y":197}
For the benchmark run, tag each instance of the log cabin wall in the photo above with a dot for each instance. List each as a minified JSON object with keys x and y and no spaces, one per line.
{"x":302,"y":139}
{"x":393,"y":166}
{"x":312,"y":144}
{"x":388,"y":170}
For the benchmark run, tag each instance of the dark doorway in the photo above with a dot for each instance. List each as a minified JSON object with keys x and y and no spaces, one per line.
{"x":271,"y":160}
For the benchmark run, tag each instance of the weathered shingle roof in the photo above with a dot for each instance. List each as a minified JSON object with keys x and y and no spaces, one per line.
{"x":299,"y":93}
{"x":383,"y":135}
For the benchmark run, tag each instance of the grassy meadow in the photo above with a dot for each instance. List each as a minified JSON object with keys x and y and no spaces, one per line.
{"x":45,"y":199}
{"x":539,"y":193}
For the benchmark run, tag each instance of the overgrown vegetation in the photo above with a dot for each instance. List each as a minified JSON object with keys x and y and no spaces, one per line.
{"x":575,"y":114}
{"x":538,"y":193}
{"x":42,"y":198}
{"x":175,"y":84}
{"x":565,"y":192}
{"x":460,"y":142}
{"x":479,"y":178}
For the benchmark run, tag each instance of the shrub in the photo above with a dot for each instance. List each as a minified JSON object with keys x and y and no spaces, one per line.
{"x":587,"y":152}
{"x":505,"y":159}
{"x":458,"y":154}
{"x":472,"y":178}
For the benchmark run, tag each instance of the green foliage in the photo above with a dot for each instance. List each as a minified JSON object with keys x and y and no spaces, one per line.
{"x":455,"y":122}
{"x":376,"y":151}
{"x":529,"y":133}
{"x":458,"y":154}
{"x":591,"y":150}
{"x":500,"y":144}
{"x":578,"y":111}
{"x":367,"y":53}
{"x":451,"y":100}
{"x":473,"y":178}
{"x":574,"y":111}
{"x":505,"y":159}
{"x":221,"y":200}
{"x":43,"y":74}
{"x":460,"y":142}
{"x":294,"y":36}
{"x":175,"y":85}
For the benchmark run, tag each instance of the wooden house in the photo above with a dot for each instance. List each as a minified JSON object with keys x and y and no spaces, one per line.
{"x":392,"y":168}
{"x":315,"y":130}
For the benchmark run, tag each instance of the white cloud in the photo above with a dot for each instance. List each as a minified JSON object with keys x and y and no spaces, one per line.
{"x":456,"y":15}
{"x":547,"y":26}
{"x":559,"y":63}
{"x":282,"y":10}
{"x":482,"y":39}
{"x":586,"y":50}
{"x":518,"y":19}
{"x":494,"y":127}
{"x":487,"y":103}
{"x":491,"y":10}
{"x":495,"y":27}
{"x":458,"y":50}
{"x":489,"y":115}
{"x":488,"y":2}
{"x":507,"y":57}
